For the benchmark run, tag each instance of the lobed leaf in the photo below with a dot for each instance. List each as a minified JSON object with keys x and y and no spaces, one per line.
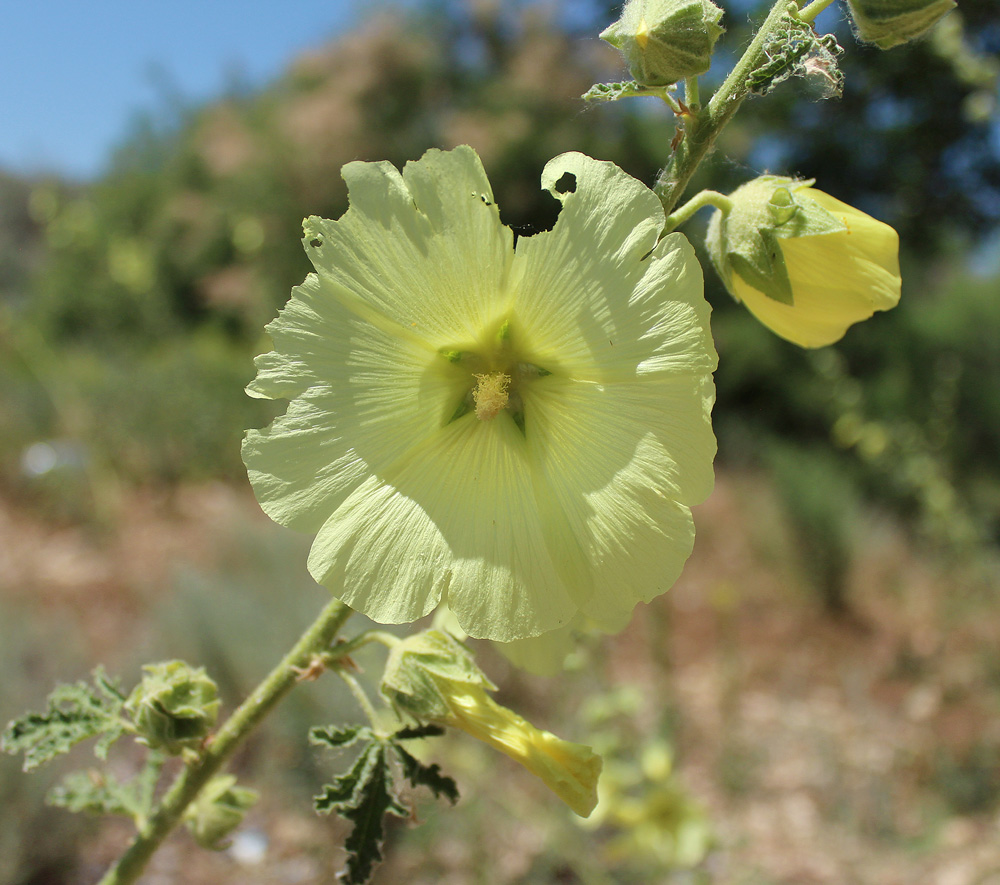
{"x":95,"y":792}
{"x":333,"y":736}
{"x":429,"y":776}
{"x":363,"y":796}
{"x":75,"y":713}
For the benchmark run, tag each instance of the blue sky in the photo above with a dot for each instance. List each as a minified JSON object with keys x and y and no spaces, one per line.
{"x":74,"y":73}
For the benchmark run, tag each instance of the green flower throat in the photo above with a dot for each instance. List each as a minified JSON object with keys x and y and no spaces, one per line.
{"x":492,"y":377}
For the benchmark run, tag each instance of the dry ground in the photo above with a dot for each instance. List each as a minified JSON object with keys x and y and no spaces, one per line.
{"x":862,"y":749}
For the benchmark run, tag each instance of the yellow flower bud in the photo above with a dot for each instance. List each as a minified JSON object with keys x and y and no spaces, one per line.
{"x":432,"y":677}
{"x":888,"y":23}
{"x":805,"y":264}
{"x":664,"y":41}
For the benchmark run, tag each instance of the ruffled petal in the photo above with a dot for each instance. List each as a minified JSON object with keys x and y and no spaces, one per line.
{"x":424,"y":249}
{"x":620,"y":465}
{"x":581,"y":305}
{"x":363,"y":398}
{"x":455,"y":520}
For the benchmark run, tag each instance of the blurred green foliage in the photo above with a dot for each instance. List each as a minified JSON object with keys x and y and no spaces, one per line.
{"x":35,"y":846}
{"x":133,"y":338}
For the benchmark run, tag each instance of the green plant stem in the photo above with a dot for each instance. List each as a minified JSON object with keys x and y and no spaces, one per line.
{"x":701,"y":128}
{"x":809,"y":12}
{"x":698,"y":201}
{"x":360,"y":697}
{"x":691,"y":93}
{"x":315,"y":641}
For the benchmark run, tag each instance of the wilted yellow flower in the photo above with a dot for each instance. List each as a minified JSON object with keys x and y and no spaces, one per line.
{"x":805,"y":264}
{"x":517,"y":432}
{"x":432,"y":677}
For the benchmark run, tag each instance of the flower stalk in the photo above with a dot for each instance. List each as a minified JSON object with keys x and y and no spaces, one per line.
{"x":702,"y":127}
{"x":698,"y":201}
{"x":186,"y":787}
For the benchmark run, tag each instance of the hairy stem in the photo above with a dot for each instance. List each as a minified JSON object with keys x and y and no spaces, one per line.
{"x":701,"y":128}
{"x":315,"y":641}
{"x":808,"y":13}
{"x":698,"y":201}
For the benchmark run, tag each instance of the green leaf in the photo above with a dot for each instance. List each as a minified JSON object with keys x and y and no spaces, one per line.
{"x":100,"y":792}
{"x":95,"y":792}
{"x":429,"y":776}
{"x":412,"y":732}
{"x":332,"y":736}
{"x":796,"y":50}
{"x":74,"y":713}
{"x":625,"y":89}
{"x":363,"y":796}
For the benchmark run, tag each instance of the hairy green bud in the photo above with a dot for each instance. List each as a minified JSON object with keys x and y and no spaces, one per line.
{"x":888,"y":23}
{"x":218,"y":810}
{"x":174,"y":707}
{"x":664,"y":41}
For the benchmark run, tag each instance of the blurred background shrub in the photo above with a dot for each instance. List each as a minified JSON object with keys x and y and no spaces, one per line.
{"x":131,"y":308}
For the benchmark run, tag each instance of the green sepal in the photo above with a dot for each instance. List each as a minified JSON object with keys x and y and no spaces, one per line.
{"x":418,"y":666}
{"x":890,"y":23}
{"x":664,"y":41}
{"x":218,"y":810}
{"x":764,"y":269}
{"x":75,"y":713}
{"x":746,"y":241}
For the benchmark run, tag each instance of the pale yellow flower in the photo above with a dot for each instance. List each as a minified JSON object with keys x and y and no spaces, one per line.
{"x":518,"y":432}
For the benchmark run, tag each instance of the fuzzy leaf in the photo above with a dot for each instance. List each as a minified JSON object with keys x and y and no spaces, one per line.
{"x":413,"y":732}
{"x":75,"y":713}
{"x":429,"y":776}
{"x":95,"y":792}
{"x":625,"y":89}
{"x":332,"y":736}
{"x":363,"y":796}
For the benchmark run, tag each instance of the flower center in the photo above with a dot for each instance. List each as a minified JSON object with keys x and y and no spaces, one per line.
{"x":490,"y":394}
{"x":492,"y":374}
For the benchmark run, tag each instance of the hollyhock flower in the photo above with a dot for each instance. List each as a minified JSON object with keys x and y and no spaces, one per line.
{"x":805,"y":264}
{"x":517,"y":432}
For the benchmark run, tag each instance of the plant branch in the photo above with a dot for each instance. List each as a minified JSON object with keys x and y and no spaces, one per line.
{"x":315,"y":641}
{"x":701,"y":128}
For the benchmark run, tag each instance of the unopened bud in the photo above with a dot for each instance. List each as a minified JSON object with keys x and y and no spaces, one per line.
{"x":805,"y":264}
{"x":174,"y":707}
{"x":664,"y":41}
{"x":218,"y":810}
{"x":432,"y":677}
{"x":888,"y":23}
